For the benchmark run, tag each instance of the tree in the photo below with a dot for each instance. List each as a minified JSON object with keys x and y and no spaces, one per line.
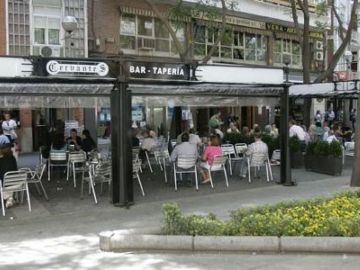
{"x":180,"y":12}
{"x":303,"y":35}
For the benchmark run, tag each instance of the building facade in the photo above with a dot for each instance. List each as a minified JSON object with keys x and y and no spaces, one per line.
{"x":34,"y":27}
{"x":258,"y":33}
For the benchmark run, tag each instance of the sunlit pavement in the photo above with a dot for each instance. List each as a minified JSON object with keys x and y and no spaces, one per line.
{"x":81,"y":252}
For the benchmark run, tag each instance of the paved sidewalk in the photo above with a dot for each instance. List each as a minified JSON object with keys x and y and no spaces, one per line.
{"x":147,"y":216}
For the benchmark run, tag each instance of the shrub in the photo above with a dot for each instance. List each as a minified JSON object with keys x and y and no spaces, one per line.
{"x":172,"y":219}
{"x":337,"y":216}
{"x":321,"y":148}
{"x":335,"y":149}
{"x":310,"y":148}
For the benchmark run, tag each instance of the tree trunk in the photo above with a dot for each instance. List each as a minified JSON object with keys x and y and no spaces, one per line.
{"x":355,"y":175}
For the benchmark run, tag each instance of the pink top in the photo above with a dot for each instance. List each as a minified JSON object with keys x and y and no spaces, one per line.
{"x":210,"y":152}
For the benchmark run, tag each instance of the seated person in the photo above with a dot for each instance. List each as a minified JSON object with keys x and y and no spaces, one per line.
{"x":87,"y":142}
{"x":7,"y":164}
{"x":232,"y":128}
{"x":58,"y":143}
{"x":212,"y":150}
{"x":185,"y":148}
{"x":74,"y":139}
{"x":258,"y":148}
{"x":147,"y":145}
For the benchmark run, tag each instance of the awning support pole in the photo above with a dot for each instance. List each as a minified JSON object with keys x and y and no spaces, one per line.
{"x":285,"y":169}
{"x":121,"y":151}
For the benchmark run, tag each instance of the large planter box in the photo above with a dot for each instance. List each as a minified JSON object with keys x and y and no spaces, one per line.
{"x":296,"y":160}
{"x":323,"y":164}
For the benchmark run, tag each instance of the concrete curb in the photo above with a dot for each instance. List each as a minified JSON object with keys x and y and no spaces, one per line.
{"x":126,"y":240}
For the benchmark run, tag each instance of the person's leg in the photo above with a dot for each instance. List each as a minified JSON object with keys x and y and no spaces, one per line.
{"x":243,"y":168}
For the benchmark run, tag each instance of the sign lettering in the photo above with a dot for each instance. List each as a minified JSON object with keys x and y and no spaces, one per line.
{"x":157,"y":71}
{"x":74,"y":68}
{"x":291,"y":30}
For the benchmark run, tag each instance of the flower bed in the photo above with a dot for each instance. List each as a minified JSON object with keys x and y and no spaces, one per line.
{"x":337,"y":216}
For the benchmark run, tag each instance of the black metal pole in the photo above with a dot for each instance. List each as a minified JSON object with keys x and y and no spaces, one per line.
{"x":285,"y":169}
{"x":122,"y":194}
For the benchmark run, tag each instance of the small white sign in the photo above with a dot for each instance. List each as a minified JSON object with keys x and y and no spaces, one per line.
{"x":79,"y":68}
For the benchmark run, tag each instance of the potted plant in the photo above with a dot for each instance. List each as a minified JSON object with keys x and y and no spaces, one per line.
{"x":324,"y":157}
{"x":296,"y":155}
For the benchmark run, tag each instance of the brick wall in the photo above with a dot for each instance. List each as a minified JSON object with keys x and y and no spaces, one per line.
{"x":2,"y":28}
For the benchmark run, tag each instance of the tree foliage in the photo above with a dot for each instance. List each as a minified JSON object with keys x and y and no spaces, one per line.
{"x":213,"y":11}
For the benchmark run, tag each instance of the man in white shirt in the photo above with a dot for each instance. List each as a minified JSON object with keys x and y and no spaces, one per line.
{"x":296,"y":130}
{"x":9,"y":126}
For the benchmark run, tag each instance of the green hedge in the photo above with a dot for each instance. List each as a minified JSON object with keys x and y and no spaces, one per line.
{"x":336,"y":216}
{"x":323,"y":148}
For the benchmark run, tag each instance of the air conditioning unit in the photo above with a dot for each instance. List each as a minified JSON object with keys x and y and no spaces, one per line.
{"x":47,"y":51}
{"x":319,"y":56}
{"x":319,"y":45}
{"x":146,"y":44}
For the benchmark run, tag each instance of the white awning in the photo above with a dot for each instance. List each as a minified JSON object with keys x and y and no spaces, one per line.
{"x":342,"y":89}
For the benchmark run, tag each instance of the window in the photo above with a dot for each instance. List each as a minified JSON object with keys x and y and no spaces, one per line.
{"x":287,"y":49}
{"x":141,"y":33}
{"x":235,"y":46}
{"x":46,"y":30}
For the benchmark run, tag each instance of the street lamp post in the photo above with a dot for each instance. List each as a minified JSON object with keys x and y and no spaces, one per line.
{"x":69,"y":24}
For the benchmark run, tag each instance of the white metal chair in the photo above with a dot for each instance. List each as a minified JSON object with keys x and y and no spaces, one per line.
{"x":257,"y":160}
{"x":276,"y":157}
{"x":97,"y":173}
{"x":185,"y":164}
{"x":349,"y":149}
{"x":229,"y":150}
{"x":14,"y":181}
{"x":35,"y":177}
{"x":218,"y":164}
{"x":76,"y":163}
{"x":56,"y":159}
{"x":241,"y":149}
{"x":136,"y":169}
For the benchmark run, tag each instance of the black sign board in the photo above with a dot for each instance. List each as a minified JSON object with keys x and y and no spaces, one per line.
{"x":158,"y":71}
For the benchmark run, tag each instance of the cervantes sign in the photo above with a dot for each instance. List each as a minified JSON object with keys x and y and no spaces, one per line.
{"x":157,"y":71}
{"x":77,"y":68}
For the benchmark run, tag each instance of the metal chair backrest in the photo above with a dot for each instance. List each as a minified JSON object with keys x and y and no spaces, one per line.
{"x":136,"y":166}
{"x":258,"y":159}
{"x":276,"y":155}
{"x":15,"y":181}
{"x":135,"y":152}
{"x":219,"y":160}
{"x":58,"y":156}
{"x":186,"y":162}
{"x":228,"y":149}
{"x":165,"y":154}
{"x":241,"y":148}
{"x":77,"y":157}
{"x":103,"y":170}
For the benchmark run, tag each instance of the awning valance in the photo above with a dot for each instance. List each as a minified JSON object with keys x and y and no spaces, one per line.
{"x":337,"y":89}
